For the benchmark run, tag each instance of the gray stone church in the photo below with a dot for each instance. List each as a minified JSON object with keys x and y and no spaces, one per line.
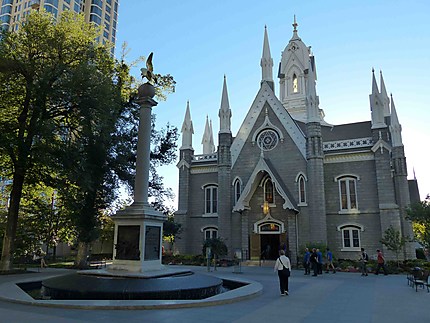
{"x":288,"y":178}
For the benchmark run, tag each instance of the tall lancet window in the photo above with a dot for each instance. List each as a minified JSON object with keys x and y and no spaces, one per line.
{"x":237,"y":190}
{"x":268,"y":191}
{"x":302,"y":190}
{"x":295,"y":83}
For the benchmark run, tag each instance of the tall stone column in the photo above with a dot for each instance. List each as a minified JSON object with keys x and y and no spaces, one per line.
{"x":146,"y":102}
{"x":139,"y":227}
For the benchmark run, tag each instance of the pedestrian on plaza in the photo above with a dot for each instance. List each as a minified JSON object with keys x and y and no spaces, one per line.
{"x":39,"y":254}
{"x":381,"y":263}
{"x":329,"y":261}
{"x":314,"y":261}
{"x":283,"y":267}
{"x":306,"y":262}
{"x":364,"y":258}
{"x":320,"y":261}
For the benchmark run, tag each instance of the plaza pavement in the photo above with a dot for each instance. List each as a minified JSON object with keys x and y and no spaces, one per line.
{"x":340,"y":297}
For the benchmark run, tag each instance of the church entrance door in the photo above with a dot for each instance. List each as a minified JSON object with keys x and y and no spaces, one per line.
{"x":269,"y":246}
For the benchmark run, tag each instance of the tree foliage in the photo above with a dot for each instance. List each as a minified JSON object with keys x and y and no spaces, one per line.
{"x":419,"y":214}
{"x":171,"y":229}
{"x":394,"y":241}
{"x":68,"y":122}
{"x":217,"y":245}
{"x":43,"y":70}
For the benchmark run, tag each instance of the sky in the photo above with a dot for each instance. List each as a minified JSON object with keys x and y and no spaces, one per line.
{"x":198,"y":42}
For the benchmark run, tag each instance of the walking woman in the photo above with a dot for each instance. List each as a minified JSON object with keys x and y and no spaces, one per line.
{"x":283,"y":266}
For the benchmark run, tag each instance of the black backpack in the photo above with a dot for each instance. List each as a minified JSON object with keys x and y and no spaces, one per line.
{"x":365,"y":256}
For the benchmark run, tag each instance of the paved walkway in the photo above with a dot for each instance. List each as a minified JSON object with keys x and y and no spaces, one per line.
{"x":340,"y":297}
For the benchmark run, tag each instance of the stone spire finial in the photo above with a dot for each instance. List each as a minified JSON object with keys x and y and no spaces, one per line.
{"x":266,"y":61}
{"x":295,"y":24}
{"x":384,"y":97}
{"x":395,"y":127}
{"x":187,"y":130}
{"x":225,"y":111}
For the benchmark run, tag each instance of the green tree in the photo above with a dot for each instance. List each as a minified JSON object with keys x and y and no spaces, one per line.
{"x":171,"y":230}
{"x":41,"y":66}
{"x":419,"y":214}
{"x":42,"y":221}
{"x":217,"y":246}
{"x":394,"y":241}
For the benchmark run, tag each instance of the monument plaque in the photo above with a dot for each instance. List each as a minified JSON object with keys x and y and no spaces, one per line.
{"x":127,"y":246}
{"x":152,"y":242}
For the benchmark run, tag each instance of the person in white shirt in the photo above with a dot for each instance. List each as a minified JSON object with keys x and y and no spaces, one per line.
{"x":281,"y":262}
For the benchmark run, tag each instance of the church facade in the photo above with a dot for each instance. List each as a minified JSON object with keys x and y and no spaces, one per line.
{"x":288,"y":178}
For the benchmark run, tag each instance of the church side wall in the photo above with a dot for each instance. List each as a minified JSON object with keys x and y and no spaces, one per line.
{"x":368,"y":207}
{"x":196,"y":209}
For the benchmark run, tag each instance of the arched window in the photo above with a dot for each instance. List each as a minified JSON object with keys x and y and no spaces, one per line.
{"x":237,"y":190}
{"x":210,"y":233}
{"x":211,"y":199}
{"x":348,"y":193}
{"x":302,"y":190}
{"x":295,"y":83}
{"x":268,"y":191}
{"x":351,"y":237}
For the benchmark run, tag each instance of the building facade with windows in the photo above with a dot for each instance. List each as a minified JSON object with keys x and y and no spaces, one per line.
{"x":288,"y":178}
{"x":103,"y":13}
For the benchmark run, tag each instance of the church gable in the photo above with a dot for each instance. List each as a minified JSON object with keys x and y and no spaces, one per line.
{"x":246,"y":132}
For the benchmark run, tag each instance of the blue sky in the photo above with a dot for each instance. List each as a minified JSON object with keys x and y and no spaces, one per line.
{"x":199,"y":41}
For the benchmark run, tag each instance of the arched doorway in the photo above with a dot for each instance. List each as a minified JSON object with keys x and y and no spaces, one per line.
{"x":269,"y":246}
{"x":268,"y":236}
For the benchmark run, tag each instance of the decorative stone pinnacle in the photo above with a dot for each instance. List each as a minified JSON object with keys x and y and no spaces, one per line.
{"x":295,"y":24}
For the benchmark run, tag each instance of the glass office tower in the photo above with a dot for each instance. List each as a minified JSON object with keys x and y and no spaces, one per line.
{"x":103,"y":13}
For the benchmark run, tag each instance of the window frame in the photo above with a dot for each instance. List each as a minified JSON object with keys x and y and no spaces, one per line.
{"x":348,"y":197}
{"x":210,"y":200}
{"x":213,"y":232}
{"x":302,"y":190}
{"x":348,"y":241}
{"x":265,"y":193}
{"x":237,"y":188}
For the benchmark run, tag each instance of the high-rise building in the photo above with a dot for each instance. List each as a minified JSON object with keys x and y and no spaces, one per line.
{"x":103,"y":13}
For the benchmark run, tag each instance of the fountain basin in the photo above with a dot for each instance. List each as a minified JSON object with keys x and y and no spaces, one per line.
{"x":183,"y":285}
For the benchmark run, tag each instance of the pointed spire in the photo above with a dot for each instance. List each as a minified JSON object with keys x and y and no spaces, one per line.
{"x":224,"y":111}
{"x":374,"y":84}
{"x":266,"y":62}
{"x":295,"y":24}
{"x":207,"y":138}
{"x":187,"y":130}
{"x":384,"y":97}
{"x":211,"y":137}
{"x":295,"y":34}
{"x":376,"y":105}
{"x":395,"y":127}
{"x":312,"y":108}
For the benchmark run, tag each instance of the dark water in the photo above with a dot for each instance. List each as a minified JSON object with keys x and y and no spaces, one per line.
{"x":35,"y":289}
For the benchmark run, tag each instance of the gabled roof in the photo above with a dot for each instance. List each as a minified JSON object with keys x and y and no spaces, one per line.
{"x":266,"y":94}
{"x":265,"y":166}
{"x":343,"y":131}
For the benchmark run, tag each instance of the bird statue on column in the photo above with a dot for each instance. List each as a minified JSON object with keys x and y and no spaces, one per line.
{"x":148,"y":72}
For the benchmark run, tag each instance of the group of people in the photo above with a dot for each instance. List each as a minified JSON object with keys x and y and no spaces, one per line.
{"x":364,"y":259}
{"x":314,"y":261}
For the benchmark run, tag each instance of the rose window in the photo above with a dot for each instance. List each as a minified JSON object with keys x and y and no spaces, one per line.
{"x":267,"y":139}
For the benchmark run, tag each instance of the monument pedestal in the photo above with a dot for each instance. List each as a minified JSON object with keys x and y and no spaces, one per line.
{"x":138,"y":239}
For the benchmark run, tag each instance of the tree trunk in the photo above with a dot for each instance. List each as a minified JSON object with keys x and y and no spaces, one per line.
{"x":81,"y":256}
{"x":12,"y":221}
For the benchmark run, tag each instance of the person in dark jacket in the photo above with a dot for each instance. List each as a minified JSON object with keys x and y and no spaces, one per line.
{"x":314,"y":261}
